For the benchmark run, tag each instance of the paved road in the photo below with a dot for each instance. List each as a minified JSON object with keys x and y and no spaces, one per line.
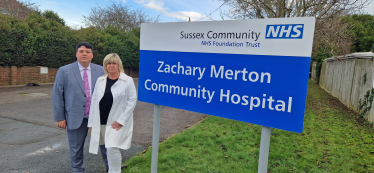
{"x":31,"y":142}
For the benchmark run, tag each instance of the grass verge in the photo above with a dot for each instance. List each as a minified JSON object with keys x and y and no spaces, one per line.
{"x":334,"y":139}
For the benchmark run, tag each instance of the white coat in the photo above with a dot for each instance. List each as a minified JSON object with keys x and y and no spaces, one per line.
{"x":124,"y":101}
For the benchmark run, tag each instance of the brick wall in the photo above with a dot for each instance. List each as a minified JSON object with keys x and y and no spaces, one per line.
{"x":4,"y":76}
{"x":22,"y":75}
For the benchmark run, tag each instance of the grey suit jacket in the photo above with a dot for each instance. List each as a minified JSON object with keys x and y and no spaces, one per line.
{"x":68,"y":94}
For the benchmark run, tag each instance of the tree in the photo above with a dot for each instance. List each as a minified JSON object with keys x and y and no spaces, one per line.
{"x":34,"y":41}
{"x":363,"y":31}
{"x":112,"y":40}
{"x":117,"y":15}
{"x":332,"y":34}
{"x":17,"y":9}
{"x":49,"y":14}
{"x":254,"y":9}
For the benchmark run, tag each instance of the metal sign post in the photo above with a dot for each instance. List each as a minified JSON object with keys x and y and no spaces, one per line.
{"x":264,"y":149}
{"x":156,"y":138}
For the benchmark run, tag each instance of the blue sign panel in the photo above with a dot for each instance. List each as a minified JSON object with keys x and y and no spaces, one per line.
{"x":227,"y":73}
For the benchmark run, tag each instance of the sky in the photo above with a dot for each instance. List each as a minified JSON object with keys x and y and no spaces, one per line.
{"x":72,"y":11}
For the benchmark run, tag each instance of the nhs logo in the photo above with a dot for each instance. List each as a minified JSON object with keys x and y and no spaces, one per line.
{"x":290,"y":31}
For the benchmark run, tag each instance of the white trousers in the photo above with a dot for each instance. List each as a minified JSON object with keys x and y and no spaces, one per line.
{"x":113,"y":154}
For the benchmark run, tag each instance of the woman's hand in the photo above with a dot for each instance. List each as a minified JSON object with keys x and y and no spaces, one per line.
{"x":116,"y":125}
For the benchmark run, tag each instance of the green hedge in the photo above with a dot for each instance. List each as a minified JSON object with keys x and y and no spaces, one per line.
{"x":363,"y":31}
{"x":42,"y":40}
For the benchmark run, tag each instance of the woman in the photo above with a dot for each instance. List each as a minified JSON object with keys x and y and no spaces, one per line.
{"x":111,"y":119}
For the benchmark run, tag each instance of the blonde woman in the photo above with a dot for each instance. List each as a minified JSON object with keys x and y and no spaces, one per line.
{"x":111,"y":113}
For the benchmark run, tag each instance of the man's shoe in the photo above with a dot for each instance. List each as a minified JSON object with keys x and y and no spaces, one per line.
{"x":122,"y":167}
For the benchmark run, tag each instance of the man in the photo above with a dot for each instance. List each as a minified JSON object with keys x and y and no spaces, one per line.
{"x":71,"y":96}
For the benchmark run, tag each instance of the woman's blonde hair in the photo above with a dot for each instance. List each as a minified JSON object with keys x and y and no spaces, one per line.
{"x":112,"y":58}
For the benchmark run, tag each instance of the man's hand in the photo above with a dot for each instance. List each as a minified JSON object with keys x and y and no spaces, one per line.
{"x":90,"y":128}
{"x":61,"y":124}
{"x":116,"y":125}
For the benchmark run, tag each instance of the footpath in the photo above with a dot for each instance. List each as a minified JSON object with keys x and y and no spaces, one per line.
{"x":31,"y":142}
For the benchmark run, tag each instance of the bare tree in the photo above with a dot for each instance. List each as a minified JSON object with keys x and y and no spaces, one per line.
{"x":333,"y":33}
{"x":254,"y":9}
{"x":118,"y":15}
{"x":17,"y":9}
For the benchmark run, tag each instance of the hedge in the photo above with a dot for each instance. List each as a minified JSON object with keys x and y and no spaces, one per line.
{"x":42,"y":41}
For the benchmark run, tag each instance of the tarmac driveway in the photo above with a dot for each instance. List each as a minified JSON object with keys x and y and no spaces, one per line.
{"x":31,"y":142}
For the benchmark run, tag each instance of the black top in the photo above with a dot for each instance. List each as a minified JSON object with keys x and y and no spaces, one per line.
{"x":106,"y":102}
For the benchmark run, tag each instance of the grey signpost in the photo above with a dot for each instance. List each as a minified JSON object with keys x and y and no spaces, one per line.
{"x":156,"y":137}
{"x":264,"y":149}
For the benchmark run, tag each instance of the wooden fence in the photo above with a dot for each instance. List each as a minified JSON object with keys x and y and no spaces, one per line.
{"x":349,"y":78}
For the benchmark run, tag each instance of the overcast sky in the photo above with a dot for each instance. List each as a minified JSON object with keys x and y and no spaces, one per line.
{"x":167,"y":10}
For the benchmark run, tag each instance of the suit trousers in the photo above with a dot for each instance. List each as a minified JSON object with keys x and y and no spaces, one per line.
{"x":114,"y":154}
{"x":77,"y":138}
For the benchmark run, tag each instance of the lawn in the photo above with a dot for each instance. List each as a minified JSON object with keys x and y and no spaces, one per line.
{"x":334,"y":139}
